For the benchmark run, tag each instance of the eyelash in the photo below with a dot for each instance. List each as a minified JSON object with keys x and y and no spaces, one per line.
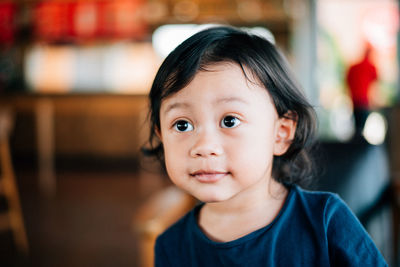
{"x":175,"y":126}
{"x":190,"y":127}
{"x":237,"y":120}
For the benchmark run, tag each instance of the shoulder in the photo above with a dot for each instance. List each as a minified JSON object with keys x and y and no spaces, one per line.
{"x":309,"y":211}
{"x":332,"y":210}
{"x":176,"y":230}
{"x":171,"y":242}
{"x":177,"y":234}
{"x":316,"y":200}
{"x":348,"y":241}
{"x":317,"y":207}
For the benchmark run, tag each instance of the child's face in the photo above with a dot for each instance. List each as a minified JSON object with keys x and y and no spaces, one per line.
{"x":220,"y":134}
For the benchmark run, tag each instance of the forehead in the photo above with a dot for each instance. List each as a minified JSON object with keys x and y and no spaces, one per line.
{"x":230,"y":69}
{"x":218,"y":82}
{"x":222,"y":75}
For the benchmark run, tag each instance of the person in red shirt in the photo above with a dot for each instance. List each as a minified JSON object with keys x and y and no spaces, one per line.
{"x":360,"y":79}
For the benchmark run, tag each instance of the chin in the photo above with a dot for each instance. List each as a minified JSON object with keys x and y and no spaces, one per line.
{"x":210,"y":197}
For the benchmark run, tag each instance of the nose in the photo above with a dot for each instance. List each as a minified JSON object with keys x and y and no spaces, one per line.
{"x":207,"y":144}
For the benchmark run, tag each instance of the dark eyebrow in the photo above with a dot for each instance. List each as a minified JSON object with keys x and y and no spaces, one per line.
{"x":231,"y":99}
{"x":176,"y":105}
{"x":218,"y":101}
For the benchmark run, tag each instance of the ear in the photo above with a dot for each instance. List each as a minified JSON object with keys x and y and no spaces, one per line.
{"x":284,"y":133}
{"x":158,"y":133}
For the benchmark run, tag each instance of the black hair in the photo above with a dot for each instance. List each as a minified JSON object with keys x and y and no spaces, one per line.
{"x":228,"y":44}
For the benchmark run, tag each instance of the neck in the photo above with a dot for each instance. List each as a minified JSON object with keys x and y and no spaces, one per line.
{"x":243,"y":214}
{"x":252,"y":200}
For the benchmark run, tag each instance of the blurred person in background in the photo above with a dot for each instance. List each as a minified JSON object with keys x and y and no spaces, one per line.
{"x":361,"y":79}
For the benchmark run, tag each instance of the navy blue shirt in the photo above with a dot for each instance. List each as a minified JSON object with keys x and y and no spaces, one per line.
{"x":312,"y":229}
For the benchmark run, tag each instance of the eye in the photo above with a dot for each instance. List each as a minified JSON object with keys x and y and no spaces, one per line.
{"x":183,"y":126}
{"x":230,"y":122}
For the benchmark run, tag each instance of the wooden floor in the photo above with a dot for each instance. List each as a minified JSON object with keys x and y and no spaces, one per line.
{"x":87,"y":223}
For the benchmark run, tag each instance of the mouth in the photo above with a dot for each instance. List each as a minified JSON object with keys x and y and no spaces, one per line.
{"x":209,"y":176}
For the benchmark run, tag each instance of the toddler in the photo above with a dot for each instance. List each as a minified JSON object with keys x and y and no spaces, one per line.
{"x":233,"y":129}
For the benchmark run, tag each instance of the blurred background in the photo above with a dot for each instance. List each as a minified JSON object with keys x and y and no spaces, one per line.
{"x":74,"y":75}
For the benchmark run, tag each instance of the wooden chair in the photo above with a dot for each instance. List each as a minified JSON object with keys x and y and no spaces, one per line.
{"x":11,"y":218}
{"x":157,"y":214}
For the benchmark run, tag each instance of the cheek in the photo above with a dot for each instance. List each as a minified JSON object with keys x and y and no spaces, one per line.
{"x":174,"y":161}
{"x":172,"y":167}
{"x":170,"y":154}
{"x":253,"y":155}
{"x":255,"y":149}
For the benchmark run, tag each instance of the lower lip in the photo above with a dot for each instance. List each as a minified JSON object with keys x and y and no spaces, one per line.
{"x":209,"y":178}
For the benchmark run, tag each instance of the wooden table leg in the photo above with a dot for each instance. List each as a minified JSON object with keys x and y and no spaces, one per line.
{"x":45,"y":145}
